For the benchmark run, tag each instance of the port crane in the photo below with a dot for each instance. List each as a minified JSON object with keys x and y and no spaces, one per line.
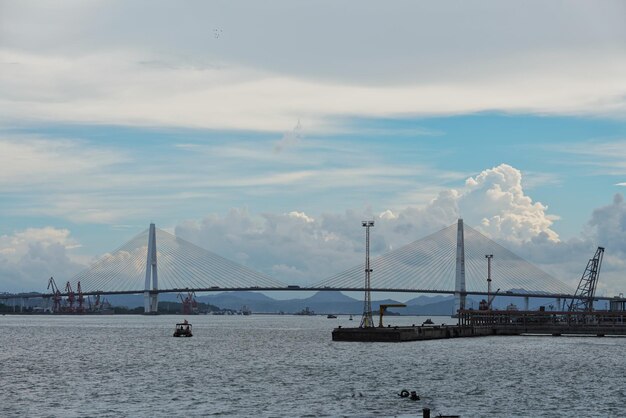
{"x":485,"y":305}
{"x":70,"y":296}
{"x":189,"y":303}
{"x":383,"y":308}
{"x":96,"y":303}
{"x":56,"y":295}
{"x":80,"y":299}
{"x":586,"y":291}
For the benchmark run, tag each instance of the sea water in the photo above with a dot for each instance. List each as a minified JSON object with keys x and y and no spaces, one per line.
{"x":288,"y":366}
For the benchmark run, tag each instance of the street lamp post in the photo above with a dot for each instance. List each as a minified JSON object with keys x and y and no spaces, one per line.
{"x":366,"y":319}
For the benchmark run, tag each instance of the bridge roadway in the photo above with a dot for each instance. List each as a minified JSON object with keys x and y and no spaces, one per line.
{"x":32,"y":295}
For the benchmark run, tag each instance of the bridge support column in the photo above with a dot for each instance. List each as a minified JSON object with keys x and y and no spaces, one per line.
{"x":151,"y":299}
{"x":459,"y":288}
{"x":526,"y":304}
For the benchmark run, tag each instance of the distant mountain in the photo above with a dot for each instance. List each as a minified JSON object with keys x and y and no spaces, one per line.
{"x":330,"y":296}
{"x":427,"y":300}
{"x":133,"y":301}
{"x":236,"y":297}
{"x":322,"y":302}
{"x":443,"y":307}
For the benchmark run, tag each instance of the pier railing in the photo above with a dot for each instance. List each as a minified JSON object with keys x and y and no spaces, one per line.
{"x":546,"y":322}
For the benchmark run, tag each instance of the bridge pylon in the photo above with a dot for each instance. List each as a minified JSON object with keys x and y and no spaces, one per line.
{"x":151,"y":299}
{"x":459,"y":286}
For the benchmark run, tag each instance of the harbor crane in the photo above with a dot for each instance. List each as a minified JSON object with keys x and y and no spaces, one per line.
{"x":56,"y":295}
{"x":485,"y":305}
{"x":70,"y":296}
{"x":81,"y":299}
{"x":383,"y":308}
{"x":586,"y":291}
{"x":189,"y":303}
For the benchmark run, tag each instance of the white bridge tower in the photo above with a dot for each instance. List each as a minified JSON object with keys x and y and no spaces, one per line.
{"x":151,"y":299}
{"x":459,"y":287}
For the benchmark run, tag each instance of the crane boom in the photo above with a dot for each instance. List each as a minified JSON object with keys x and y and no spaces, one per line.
{"x":383,"y":308}
{"x":56,"y":295}
{"x":491,"y":298}
{"x":583,"y":298}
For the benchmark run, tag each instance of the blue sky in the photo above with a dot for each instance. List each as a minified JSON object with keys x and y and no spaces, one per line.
{"x":226,"y":120}
{"x":555,"y":155}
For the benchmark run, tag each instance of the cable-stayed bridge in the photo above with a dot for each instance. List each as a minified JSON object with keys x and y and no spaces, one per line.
{"x":450,"y":261}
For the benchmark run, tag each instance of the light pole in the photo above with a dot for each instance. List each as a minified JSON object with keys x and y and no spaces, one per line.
{"x":489,"y":257}
{"x":366,"y":319}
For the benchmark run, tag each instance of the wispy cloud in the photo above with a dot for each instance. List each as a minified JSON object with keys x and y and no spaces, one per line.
{"x":78,"y":70}
{"x":602,"y":157}
{"x":89,"y":182}
{"x":534,"y":179}
{"x":289,"y":139}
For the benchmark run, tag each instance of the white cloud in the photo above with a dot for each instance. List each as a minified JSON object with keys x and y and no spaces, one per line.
{"x":297,"y":247}
{"x":30,"y":257}
{"x":38,"y":163}
{"x":598,"y":157}
{"x":507,"y":212}
{"x":608,"y":225}
{"x":420,"y":59}
{"x":289,"y":139}
{"x":243,"y":98}
{"x":86,"y":181}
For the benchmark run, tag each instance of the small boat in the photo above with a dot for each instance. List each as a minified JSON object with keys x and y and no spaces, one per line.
{"x":428,"y":322}
{"x":331,"y":316}
{"x":350,"y":317}
{"x":183,"y":329}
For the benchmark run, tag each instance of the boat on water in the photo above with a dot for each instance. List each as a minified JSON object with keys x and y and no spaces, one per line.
{"x":331,"y":316}
{"x":428,"y":322}
{"x":183,"y":329}
{"x":350,"y":317}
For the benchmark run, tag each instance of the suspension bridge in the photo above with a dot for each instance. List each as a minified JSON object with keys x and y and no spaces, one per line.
{"x":450,"y":261}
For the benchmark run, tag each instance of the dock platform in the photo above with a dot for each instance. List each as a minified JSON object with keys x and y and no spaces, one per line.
{"x":483,"y":323}
{"x":400,"y":334}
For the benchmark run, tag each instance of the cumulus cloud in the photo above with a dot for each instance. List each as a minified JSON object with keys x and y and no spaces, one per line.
{"x":297,"y":247}
{"x":607,"y":228}
{"x":29,"y":258}
{"x":293,"y":247}
{"x":494,"y":202}
{"x":498,"y":196}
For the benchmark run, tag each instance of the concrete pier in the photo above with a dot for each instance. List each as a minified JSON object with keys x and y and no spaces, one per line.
{"x":400,"y":334}
{"x":483,"y":323}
